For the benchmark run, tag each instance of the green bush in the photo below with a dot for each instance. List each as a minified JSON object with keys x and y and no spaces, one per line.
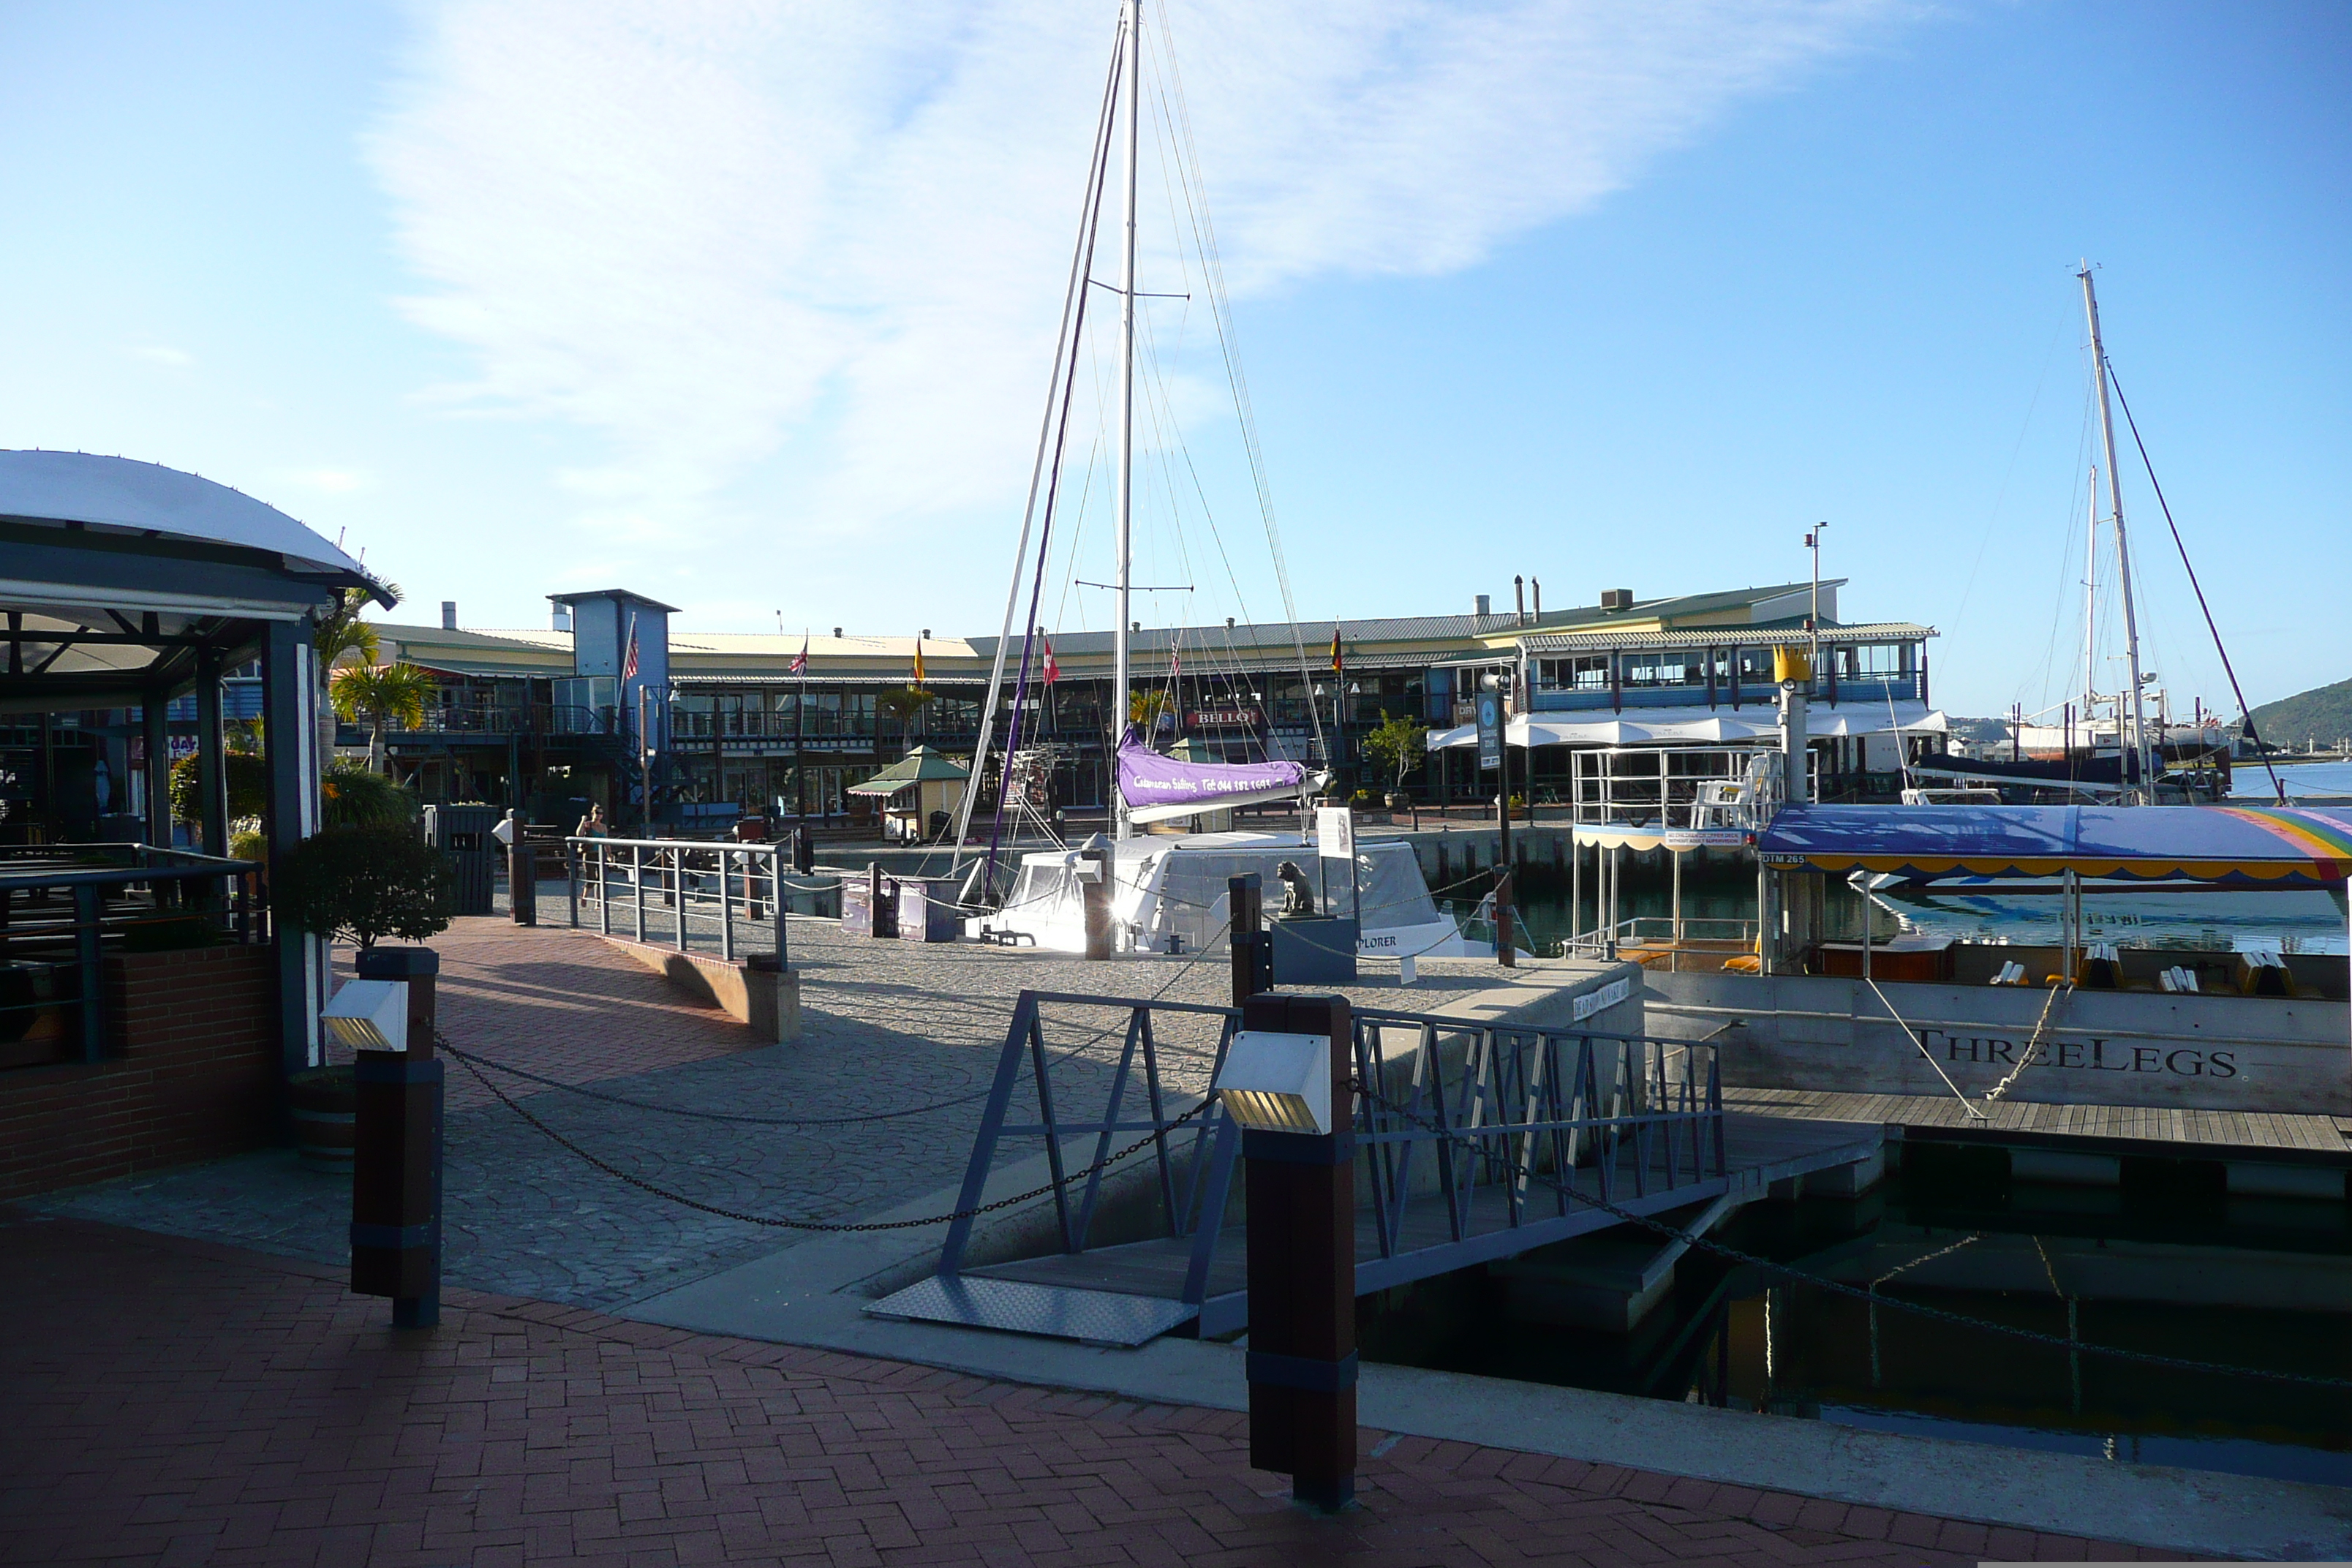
{"x":351,"y":797}
{"x":365,"y":884}
{"x":248,"y":787}
{"x":248,"y":844}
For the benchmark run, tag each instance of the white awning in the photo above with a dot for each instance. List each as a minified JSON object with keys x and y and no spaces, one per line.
{"x":1700,"y":726}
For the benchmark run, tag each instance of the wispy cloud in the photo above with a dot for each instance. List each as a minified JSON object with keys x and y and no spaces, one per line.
{"x":813,"y":251}
{"x":163,"y":354}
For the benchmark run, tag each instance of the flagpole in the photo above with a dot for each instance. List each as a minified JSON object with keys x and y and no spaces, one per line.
{"x":800,"y":740}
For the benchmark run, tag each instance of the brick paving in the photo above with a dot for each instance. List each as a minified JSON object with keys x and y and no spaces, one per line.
{"x":169,"y":1402}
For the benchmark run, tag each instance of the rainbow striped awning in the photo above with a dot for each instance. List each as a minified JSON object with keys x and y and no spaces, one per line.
{"x":2265,"y":847}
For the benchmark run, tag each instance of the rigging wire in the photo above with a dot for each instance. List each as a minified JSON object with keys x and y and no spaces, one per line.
{"x":2166,"y":506}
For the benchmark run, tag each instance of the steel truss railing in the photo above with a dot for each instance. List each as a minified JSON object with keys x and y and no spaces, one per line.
{"x":1510,"y":1132}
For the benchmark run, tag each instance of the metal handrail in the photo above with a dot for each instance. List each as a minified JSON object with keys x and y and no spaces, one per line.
{"x":1549,"y":1118}
{"x":735,"y":881}
{"x":85,"y":930}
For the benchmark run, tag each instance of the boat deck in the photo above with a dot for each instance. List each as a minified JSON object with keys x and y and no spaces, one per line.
{"x":2216,"y":1130}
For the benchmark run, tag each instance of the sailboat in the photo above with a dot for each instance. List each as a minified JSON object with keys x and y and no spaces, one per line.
{"x":1167,"y":890}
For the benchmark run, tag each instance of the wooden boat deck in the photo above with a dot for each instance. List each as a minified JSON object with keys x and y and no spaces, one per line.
{"x":2214,"y":1131}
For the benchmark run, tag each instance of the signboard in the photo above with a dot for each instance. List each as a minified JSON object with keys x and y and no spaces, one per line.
{"x":1335,"y":833}
{"x":1222,"y":718}
{"x":1490,"y":730}
{"x":1582,"y":1007}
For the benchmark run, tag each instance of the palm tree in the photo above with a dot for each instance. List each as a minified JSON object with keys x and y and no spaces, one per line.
{"x":380,"y":694}
{"x":903,"y":703}
{"x":1144,"y":709}
{"x":338,"y":634}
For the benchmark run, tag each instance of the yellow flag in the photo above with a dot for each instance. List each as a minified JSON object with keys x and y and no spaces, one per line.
{"x":918,"y":661}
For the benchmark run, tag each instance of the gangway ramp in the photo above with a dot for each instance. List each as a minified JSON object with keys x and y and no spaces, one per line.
{"x":1475,"y":1141}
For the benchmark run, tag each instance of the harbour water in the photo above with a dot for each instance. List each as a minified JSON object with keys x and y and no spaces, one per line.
{"x":2260,"y":1286}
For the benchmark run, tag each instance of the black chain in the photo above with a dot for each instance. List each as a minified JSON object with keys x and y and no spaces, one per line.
{"x":467,"y":1060}
{"x":1840,"y":1288}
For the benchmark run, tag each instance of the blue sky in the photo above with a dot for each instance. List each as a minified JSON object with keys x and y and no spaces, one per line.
{"x":748,"y":307}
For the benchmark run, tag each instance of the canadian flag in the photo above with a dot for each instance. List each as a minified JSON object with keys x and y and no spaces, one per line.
{"x":1052,"y":667}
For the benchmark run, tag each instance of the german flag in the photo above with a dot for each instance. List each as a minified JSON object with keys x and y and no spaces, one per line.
{"x":1339,"y":660}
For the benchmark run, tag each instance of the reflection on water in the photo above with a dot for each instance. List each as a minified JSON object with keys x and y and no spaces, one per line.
{"x":2262,"y":1285}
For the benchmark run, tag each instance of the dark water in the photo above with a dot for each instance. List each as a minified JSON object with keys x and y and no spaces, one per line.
{"x":2185,"y":1273}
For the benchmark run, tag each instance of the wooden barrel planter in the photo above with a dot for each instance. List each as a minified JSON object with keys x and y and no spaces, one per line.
{"x":324,"y":1103}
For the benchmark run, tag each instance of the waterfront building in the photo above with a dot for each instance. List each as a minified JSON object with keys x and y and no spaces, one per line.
{"x":725,"y":723}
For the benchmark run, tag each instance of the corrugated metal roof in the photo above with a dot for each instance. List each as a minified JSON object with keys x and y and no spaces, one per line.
{"x":1726,"y":636}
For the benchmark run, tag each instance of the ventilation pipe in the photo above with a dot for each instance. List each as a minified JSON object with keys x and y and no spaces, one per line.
{"x":1485,"y":606}
{"x":1519,"y":598}
{"x":1536,"y":584}
{"x":562,"y":617}
{"x":448,"y":615}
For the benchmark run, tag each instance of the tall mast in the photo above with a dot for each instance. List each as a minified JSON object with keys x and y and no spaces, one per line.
{"x":1134,"y":9}
{"x":2091,"y":616}
{"x":2141,"y":784}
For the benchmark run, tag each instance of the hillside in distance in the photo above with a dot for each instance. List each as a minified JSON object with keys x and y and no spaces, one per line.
{"x":2323,"y":713}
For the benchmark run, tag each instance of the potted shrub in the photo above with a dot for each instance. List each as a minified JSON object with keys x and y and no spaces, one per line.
{"x":1398,"y":746}
{"x":362,"y":884}
{"x":325,"y":1106}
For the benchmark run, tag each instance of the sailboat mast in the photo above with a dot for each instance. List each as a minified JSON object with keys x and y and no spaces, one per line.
{"x":2141,"y":784}
{"x":1120,"y":672}
{"x":2091,"y":616}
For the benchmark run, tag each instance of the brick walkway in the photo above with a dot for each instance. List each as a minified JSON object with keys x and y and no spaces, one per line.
{"x":169,"y":1402}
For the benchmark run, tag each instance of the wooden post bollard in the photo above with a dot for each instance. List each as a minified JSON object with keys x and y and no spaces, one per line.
{"x":522,"y":882}
{"x":1094,"y":897}
{"x":396,"y":1152}
{"x":1252,"y":945}
{"x":1302,"y":1274}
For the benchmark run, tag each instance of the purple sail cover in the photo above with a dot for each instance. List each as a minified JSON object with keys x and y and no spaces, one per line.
{"x":1147,"y":779}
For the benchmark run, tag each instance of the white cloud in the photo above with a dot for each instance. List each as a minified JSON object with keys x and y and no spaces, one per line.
{"x":329,"y":481}
{"x":814,"y":251}
{"x":163,"y":354}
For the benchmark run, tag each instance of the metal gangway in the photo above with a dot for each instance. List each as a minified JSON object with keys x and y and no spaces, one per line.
{"x":1473,"y":1143}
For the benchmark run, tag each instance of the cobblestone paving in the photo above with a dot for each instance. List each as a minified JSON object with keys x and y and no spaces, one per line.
{"x":890,"y":1025}
{"x":164,"y":1402}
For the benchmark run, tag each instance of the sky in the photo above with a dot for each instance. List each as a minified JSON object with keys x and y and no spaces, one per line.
{"x":750,"y":306}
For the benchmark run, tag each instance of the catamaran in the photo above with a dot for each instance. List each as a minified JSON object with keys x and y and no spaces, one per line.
{"x":1168,"y":892}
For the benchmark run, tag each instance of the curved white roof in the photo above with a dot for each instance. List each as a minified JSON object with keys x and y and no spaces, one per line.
{"x":121,"y":492}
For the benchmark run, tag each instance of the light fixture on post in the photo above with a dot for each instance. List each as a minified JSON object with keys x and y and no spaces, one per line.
{"x":1277,"y":1083}
{"x":369,"y":1015}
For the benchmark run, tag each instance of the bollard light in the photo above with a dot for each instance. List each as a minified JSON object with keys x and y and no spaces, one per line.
{"x":370,"y":1015}
{"x":1277,"y":1083}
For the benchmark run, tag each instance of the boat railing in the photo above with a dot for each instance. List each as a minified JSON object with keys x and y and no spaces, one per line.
{"x":1663,"y":942}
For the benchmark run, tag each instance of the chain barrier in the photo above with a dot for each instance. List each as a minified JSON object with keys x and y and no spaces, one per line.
{"x":1861,"y":1293}
{"x":778,"y":1221}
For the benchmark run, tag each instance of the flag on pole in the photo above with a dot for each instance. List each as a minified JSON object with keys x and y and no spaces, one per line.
{"x":629,"y":658}
{"x":1053,"y":668}
{"x":799,"y":659}
{"x":918,"y":661}
{"x":1175,"y":665}
{"x":1338,"y":662}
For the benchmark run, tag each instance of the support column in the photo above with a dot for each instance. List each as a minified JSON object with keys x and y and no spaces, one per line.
{"x":289,"y":706}
{"x":155,"y":713}
{"x":1302,"y":1274}
{"x":212,"y":765}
